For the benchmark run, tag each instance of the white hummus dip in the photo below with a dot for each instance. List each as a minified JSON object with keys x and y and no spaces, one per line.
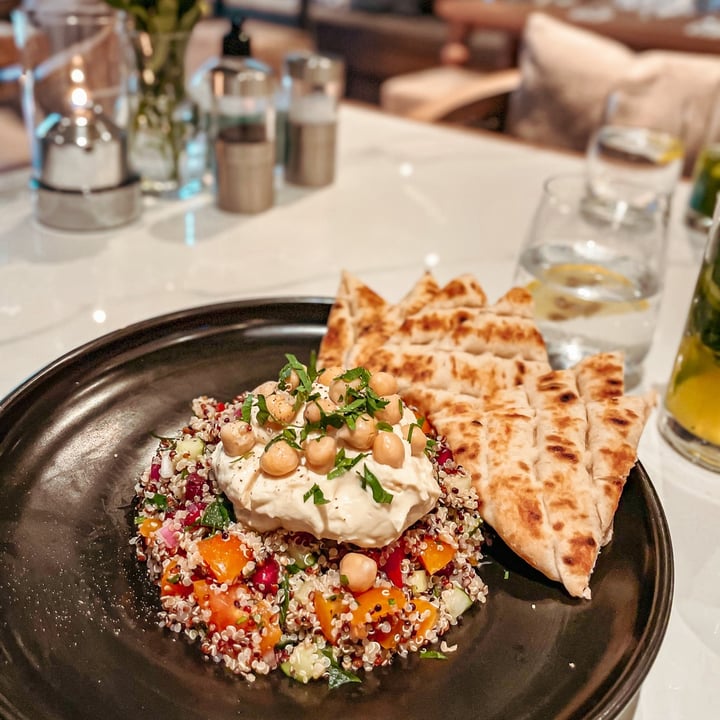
{"x":347,"y":511}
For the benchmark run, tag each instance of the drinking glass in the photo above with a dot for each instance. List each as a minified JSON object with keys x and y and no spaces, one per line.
{"x":636,"y":142}
{"x":70,"y":60}
{"x":690,"y":416}
{"x":595,"y":268}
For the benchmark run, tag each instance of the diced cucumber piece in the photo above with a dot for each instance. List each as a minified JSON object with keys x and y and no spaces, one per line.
{"x":456,"y":600}
{"x":305,"y":663}
{"x":419,"y":581}
{"x":192,"y":447}
{"x":301,"y":592}
{"x":301,"y":555}
{"x":459,"y":480}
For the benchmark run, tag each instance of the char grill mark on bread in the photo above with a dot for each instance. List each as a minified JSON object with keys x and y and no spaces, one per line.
{"x":615,"y":427}
{"x":563,"y":471}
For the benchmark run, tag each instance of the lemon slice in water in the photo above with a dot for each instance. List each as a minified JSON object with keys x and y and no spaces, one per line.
{"x":558,"y":293}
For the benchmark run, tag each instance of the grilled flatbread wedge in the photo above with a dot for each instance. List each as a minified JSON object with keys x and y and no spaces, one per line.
{"x":356,"y":309}
{"x":548,"y":451}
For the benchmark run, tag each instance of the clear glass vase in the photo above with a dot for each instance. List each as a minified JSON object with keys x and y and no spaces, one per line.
{"x":167,"y":141}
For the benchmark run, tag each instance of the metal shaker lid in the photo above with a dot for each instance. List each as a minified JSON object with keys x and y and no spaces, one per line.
{"x":241,"y":77}
{"x":315,"y":69}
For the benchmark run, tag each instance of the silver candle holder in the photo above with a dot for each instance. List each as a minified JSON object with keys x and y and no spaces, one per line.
{"x":83,"y":181}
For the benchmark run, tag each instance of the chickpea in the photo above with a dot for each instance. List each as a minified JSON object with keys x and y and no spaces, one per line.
{"x":315,"y":408}
{"x":266,"y":388}
{"x":416,"y":437}
{"x":237,"y":438}
{"x":339,"y":390}
{"x":279,"y":459}
{"x":281,"y":406}
{"x":291,"y":381}
{"x":392,"y":413}
{"x":388,"y":449}
{"x":329,"y":374}
{"x":383,"y":383}
{"x":362,"y":436}
{"x":359,"y":570}
{"x":320,"y":454}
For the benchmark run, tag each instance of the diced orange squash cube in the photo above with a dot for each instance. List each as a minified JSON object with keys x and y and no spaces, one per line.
{"x":389,"y":640}
{"x":149,"y":526}
{"x":327,"y":608}
{"x":436,"y":555}
{"x":170,"y":581}
{"x":428,"y":613}
{"x":231,"y":607}
{"x":270,"y":632}
{"x":224,"y":610}
{"x":377,"y":603}
{"x":225,"y":558}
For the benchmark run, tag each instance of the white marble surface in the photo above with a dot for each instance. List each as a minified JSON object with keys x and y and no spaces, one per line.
{"x":407,"y":197}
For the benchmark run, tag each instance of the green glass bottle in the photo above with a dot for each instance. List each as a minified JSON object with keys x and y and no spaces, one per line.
{"x":705,"y":187}
{"x":690,"y":417}
{"x":705,"y":183}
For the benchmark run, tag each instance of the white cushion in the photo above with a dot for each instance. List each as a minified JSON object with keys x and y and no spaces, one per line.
{"x":567,"y":73}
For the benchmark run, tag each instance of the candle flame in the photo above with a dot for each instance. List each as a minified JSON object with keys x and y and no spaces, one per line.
{"x":79,"y":97}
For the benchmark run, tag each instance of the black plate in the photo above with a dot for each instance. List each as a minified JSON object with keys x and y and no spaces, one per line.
{"x":77,"y":638}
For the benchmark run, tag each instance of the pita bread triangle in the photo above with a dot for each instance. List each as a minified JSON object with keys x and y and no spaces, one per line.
{"x":356,"y":308}
{"x":548,"y":451}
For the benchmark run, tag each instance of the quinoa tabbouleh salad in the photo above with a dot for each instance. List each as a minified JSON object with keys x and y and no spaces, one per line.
{"x":309,"y":525}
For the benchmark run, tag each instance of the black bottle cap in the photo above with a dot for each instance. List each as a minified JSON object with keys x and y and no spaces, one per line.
{"x":237,"y":42}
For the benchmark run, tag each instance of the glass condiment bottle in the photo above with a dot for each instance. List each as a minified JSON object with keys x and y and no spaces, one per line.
{"x":315,"y":85}
{"x":690,"y":417}
{"x":243,"y":131}
{"x":705,"y":183}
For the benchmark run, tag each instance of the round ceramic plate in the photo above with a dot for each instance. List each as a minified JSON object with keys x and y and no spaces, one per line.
{"x":78,"y":638}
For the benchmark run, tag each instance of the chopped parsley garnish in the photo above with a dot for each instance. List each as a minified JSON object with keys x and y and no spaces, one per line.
{"x":263,"y":414}
{"x":316,"y":494}
{"x":337,"y":676}
{"x":158,"y":500}
{"x":344,"y":464}
{"x":379,"y":494}
{"x":289,"y":436}
{"x":246,"y":412}
{"x":431,"y":446}
{"x":306,"y":376}
{"x":217,"y":515}
{"x":284,"y":598}
{"x":432,"y":655}
{"x":360,"y":398}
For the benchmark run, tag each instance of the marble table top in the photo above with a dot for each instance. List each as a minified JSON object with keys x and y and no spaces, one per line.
{"x":408,"y":197}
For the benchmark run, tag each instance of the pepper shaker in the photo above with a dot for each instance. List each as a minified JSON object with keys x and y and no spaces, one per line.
{"x":316,"y":84}
{"x":243,"y":129}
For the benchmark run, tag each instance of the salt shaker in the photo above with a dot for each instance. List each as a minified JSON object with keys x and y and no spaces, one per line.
{"x":243,"y":129}
{"x":316,"y":84}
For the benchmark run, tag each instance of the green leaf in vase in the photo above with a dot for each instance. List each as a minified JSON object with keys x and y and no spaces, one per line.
{"x":166,"y":17}
{"x":190,"y":17}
